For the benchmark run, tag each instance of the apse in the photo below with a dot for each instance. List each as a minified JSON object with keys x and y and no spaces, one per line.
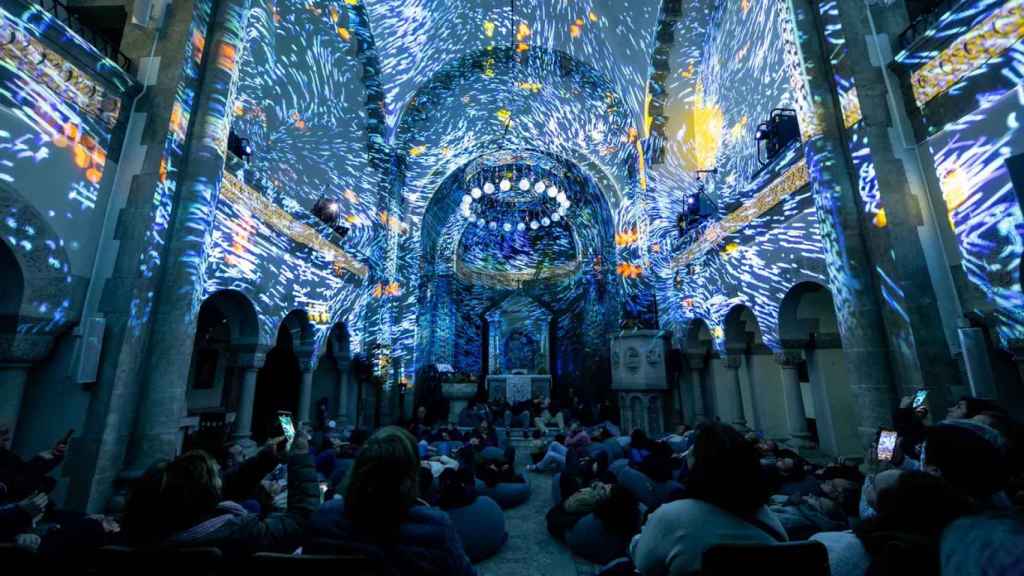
{"x":516,"y":254}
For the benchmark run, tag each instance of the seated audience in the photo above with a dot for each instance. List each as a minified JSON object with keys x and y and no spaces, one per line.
{"x":804,"y":515}
{"x":554,"y":456}
{"x":180,"y":504}
{"x":903,"y":538}
{"x":19,"y":478}
{"x":381,"y":508}
{"x":726,"y":503}
{"x":547,"y":413}
{"x":577,"y":437}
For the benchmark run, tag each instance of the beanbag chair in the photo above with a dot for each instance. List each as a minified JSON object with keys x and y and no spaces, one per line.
{"x":481,"y":527}
{"x":556,"y":492}
{"x":615,"y":449}
{"x":638,"y":484}
{"x":493,"y":454}
{"x":592,"y":541}
{"x":508,"y":492}
{"x":617,"y":465}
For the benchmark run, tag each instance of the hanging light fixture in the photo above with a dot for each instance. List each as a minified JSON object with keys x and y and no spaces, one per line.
{"x":488,"y":188}
{"x":539,"y":187}
{"x":524,"y":184}
{"x":505,"y":185}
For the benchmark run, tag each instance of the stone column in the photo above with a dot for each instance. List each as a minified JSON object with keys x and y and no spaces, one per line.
{"x":796,"y":418}
{"x":308,"y":366}
{"x":733,"y":363}
{"x":341,"y":411}
{"x":13,"y":377}
{"x":850,"y":267}
{"x":175,"y":313}
{"x":250,"y":364}
{"x":696,"y":364}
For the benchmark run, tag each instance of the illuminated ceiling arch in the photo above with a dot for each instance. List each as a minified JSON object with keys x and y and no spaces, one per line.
{"x":417,"y":38}
{"x":499,"y":100}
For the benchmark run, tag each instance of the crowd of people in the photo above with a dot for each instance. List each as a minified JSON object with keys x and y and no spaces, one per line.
{"x":427,"y":497}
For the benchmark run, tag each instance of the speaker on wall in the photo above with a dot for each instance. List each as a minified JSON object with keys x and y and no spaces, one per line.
{"x":1015,"y":166}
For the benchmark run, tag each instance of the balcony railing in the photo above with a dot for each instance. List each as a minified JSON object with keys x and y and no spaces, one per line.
{"x":60,"y":11}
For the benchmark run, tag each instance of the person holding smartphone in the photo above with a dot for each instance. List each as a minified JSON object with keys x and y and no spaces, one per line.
{"x":181,"y":505}
{"x":20,"y":478}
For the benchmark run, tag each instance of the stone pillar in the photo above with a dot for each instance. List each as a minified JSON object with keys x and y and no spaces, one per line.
{"x":13,"y":377}
{"x":250,"y":364}
{"x":308,"y":366}
{"x":849,"y":264}
{"x":796,"y":417}
{"x":696,"y":364}
{"x":458,"y":394}
{"x":341,"y":411}
{"x":921,"y":323}
{"x":732,"y":364}
{"x":168,"y":355}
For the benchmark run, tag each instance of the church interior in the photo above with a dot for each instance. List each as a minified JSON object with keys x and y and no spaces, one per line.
{"x":513,"y":286}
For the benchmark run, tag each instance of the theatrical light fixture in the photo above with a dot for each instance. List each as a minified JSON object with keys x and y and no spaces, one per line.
{"x":505,"y":185}
{"x":329,"y":212}
{"x":777,"y":132}
{"x":524,"y":184}
{"x":239,"y":146}
{"x":489,"y":188}
{"x":539,"y":187}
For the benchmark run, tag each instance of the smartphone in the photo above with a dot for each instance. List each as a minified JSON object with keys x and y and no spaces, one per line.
{"x":886,"y":445}
{"x":919,"y":398}
{"x":287,"y":427}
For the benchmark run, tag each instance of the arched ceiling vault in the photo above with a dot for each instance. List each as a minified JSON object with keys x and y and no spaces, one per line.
{"x":501,"y":100}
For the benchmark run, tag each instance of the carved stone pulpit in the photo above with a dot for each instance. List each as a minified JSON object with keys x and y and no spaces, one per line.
{"x":640,"y":378}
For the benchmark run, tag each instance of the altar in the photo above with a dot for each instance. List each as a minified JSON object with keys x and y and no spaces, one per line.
{"x":518,"y":387}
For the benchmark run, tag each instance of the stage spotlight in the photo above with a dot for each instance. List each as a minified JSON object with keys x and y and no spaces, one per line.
{"x":505,"y":185}
{"x":239,"y":146}
{"x":329,"y":212}
{"x":488,"y":188}
{"x":524,"y":184}
{"x":776,"y":133}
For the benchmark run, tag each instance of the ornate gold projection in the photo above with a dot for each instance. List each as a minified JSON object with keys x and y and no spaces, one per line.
{"x":790,"y":181}
{"x":236,"y":192}
{"x":30,"y":57}
{"x":989,"y":39}
{"x":494,"y":279}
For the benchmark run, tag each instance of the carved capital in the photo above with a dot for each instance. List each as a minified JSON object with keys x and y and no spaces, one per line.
{"x":733,"y":361}
{"x":789,"y":358}
{"x":250,"y":357}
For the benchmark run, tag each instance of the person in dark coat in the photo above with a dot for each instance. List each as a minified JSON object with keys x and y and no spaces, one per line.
{"x":20,"y":478}
{"x":382,"y":509}
{"x":180,"y":504}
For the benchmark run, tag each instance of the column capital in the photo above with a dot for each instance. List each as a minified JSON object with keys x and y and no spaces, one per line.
{"x":789,"y":358}
{"x":250,"y":357}
{"x":307,"y":364}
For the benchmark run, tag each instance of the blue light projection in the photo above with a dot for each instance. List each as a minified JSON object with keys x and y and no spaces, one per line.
{"x":57,"y":119}
{"x":729,"y":70}
{"x":300,"y":102}
{"x":969,"y":149}
{"x":983,"y":209}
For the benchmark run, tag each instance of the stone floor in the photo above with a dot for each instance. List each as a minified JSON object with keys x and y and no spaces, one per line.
{"x":530,"y":550}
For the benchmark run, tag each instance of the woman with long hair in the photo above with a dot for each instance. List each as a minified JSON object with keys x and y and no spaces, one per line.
{"x":381,"y":508}
{"x":180,"y":504}
{"x":726,"y":503}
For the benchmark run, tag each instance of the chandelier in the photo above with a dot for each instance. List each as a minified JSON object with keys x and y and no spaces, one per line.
{"x":514,"y":204}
